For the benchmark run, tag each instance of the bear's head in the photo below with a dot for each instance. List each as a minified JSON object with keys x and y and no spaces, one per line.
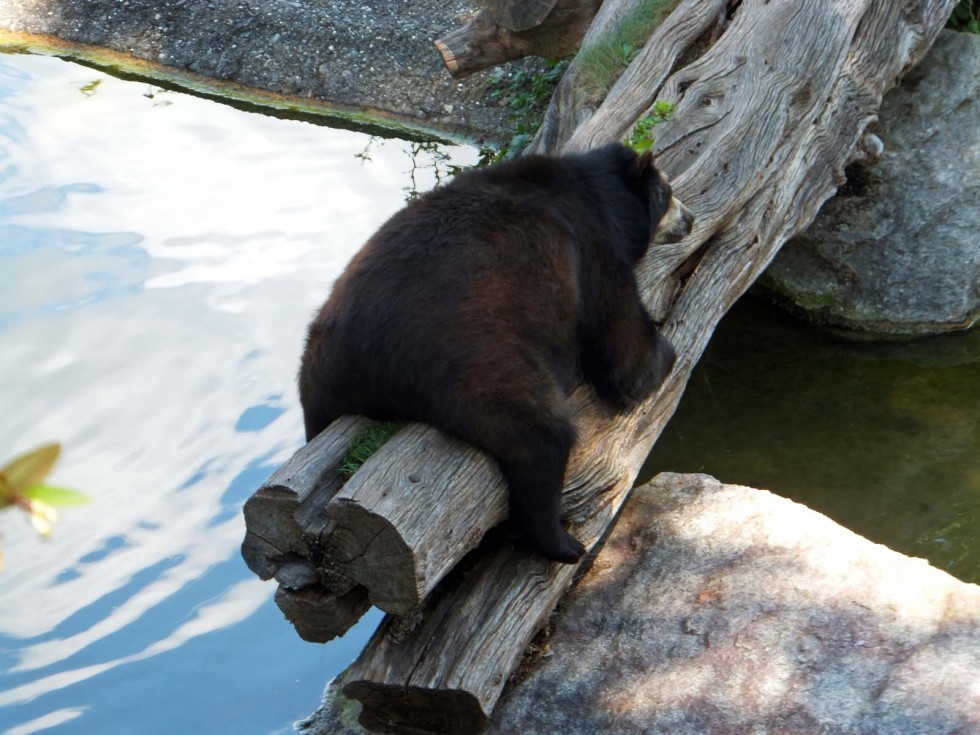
{"x":670,"y":220}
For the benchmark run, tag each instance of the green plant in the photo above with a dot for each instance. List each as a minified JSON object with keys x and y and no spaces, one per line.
{"x":641,"y":139}
{"x":526,"y":94}
{"x":22,"y":486}
{"x":603,"y":61}
{"x":965,"y":17}
{"x":366,"y":444}
{"x":89,"y":89}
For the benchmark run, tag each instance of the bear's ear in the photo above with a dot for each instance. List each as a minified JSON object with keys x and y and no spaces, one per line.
{"x":643,"y":164}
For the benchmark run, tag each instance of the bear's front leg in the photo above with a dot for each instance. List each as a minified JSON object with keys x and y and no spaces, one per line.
{"x":624,"y":356}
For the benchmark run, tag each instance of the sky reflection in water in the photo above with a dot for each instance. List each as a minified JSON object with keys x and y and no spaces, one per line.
{"x":160,"y":256}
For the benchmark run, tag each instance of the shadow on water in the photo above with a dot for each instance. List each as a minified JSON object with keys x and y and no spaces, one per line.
{"x":160,"y":257}
{"x":883,"y":438}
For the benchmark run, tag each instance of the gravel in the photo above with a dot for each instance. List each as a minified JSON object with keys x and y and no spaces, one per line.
{"x":374,"y":55}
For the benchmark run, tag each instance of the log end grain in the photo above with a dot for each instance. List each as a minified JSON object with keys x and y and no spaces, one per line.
{"x":320,"y":616}
{"x":401,"y":710}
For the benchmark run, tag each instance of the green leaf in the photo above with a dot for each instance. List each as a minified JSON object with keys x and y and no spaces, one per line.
{"x":89,"y":89}
{"x":642,"y":146}
{"x":30,"y":469}
{"x":57,"y":496}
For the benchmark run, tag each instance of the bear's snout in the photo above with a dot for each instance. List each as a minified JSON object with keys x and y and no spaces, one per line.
{"x":676,"y":223}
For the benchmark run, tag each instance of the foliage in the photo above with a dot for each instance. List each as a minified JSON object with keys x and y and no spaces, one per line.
{"x":22,"y":486}
{"x":602,"y":62}
{"x":965,"y":17}
{"x":366,"y":444}
{"x":641,"y":139}
{"x":526,"y":94}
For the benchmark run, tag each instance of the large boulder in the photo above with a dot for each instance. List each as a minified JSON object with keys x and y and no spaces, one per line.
{"x":897,"y":251}
{"x":715,"y":608}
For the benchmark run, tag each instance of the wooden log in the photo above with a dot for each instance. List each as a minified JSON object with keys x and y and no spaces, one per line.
{"x":318,"y":614}
{"x":286,"y":515}
{"x":580,"y":93}
{"x":766,"y":120}
{"x":479,"y":621}
{"x":497,"y":34}
{"x":403,"y":521}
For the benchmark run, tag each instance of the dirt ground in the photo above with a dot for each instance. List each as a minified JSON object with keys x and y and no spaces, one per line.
{"x":373,"y":55}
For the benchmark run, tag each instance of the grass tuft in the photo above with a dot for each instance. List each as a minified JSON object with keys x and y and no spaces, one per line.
{"x":603,"y":62}
{"x":366,"y":444}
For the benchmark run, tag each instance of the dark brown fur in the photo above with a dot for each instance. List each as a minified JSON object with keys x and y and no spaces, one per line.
{"x":478,"y":307}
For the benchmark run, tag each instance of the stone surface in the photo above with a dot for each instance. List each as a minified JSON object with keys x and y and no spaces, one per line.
{"x":718,"y":609}
{"x":897,"y":251}
{"x":378,"y":56}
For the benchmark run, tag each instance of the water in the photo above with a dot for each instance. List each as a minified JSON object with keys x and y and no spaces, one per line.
{"x":883,"y":438}
{"x":160,"y":256}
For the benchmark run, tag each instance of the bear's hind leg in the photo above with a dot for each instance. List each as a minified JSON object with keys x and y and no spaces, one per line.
{"x":535,"y":476}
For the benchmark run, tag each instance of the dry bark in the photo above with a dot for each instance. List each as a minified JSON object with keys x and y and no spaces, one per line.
{"x":285,"y":519}
{"x":766,"y":119}
{"x":320,"y":615}
{"x":285,"y":516}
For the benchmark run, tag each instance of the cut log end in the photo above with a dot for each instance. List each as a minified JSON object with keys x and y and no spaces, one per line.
{"x":369,"y":549}
{"x":410,"y":710}
{"x":320,"y":616}
{"x":479,"y":44}
{"x":448,"y":57}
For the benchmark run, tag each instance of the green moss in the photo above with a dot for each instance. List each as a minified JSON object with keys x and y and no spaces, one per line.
{"x":366,"y":444}
{"x":601,"y":63}
{"x":641,"y":139}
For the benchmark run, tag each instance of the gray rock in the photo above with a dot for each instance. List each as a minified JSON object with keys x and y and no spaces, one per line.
{"x":897,"y":251}
{"x":721,"y":609}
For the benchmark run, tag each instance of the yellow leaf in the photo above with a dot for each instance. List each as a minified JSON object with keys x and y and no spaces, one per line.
{"x":30,"y":469}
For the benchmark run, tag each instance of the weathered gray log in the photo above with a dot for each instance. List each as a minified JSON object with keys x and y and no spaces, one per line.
{"x":319,"y":615}
{"x":580,"y":92}
{"x":509,"y":29}
{"x":765,"y":122}
{"x":445,"y":675}
{"x":284,"y":521}
{"x":402,"y":521}
{"x":286,"y":515}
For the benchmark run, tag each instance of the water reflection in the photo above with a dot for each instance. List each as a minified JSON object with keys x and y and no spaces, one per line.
{"x":158,"y":263}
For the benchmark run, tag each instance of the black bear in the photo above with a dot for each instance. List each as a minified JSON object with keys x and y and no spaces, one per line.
{"x":478,"y":306}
